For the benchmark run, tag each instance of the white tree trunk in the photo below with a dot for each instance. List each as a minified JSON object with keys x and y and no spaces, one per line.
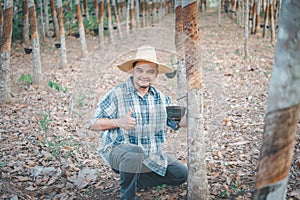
{"x":63,"y":49}
{"x":283,"y":108}
{"x":36,"y":57}
{"x":197,"y":177}
{"x":46,"y":17}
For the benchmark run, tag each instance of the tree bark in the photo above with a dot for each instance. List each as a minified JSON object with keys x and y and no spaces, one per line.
{"x":86,"y":9}
{"x":36,"y":56}
{"x":267,"y":10}
{"x":41,"y":20}
{"x":283,"y":108}
{"x":100,"y":22}
{"x":117,"y":21}
{"x":5,"y":44}
{"x":63,"y":49}
{"x":257,"y":23}
{"x":26,"y":39}
{"x":83,"y":46}
{"x":246,"y":31}
{"x":197,"y":177}
{"x":46,"y":17}
{"x":272,"y":21}
{"x":109,"y":22}
{"x":1,"y":21}
{"x":179,"y":44}
{"x":54,"y":18}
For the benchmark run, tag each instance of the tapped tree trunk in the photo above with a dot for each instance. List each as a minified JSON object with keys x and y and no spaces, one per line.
{"x":109,"y":22}
{"x":83,"y":46}
{"x":5,"y":47}
{"x":1,"y":21}
{"x":63,"y":49}
{"x":26,"y":39}
{"x":86,"y":9}
{"x":100,"y":22}
{"x":283,"y":109}
{"x":117,"y":21}
{"x":246,"y":31}
{"x":54,"y":18}
{"x":179,"y":44}
{"x":46,"y":17}
{"x":36,"y":56}
{"x":197,"y":177}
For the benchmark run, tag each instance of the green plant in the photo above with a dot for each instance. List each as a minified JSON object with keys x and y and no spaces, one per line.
{"x":25,"y":80}
{"x":44,"y":121}
{"x":61,"y":147}
{"x":81,"y":101}
{"x":57,"y":87}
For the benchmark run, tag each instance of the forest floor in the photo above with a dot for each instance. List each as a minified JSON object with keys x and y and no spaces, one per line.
{"x":47,"y":152}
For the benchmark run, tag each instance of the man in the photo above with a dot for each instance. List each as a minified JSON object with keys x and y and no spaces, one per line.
{"x":133,"y":122}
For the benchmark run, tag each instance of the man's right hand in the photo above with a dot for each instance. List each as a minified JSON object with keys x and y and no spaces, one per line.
{"x":126,"y":122}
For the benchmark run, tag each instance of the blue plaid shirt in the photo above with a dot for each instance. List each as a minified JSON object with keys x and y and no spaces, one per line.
{"x":151,"y":123}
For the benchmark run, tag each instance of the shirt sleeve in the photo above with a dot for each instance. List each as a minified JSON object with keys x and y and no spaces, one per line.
{"x":106,"y":108}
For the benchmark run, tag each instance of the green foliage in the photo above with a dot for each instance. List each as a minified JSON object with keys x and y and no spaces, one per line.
{"x":25,"y":80}
{"x":61,"y":147}
{"x":81,"y":101}
{"x":57,"y":87}
{"x":44,"y":121}
{"x":232,"y":191}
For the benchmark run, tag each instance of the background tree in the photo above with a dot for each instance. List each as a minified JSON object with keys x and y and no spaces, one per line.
{"x":100,"y":22}
{"x":283,"y":108}
{"x":246,"y":26}
{"x":46,"y":17}
{"x":36,"y":56}
{"x":5,"y":42}
{"x":83,"y":46}
{"x":62,"y":37}
{"x":1,"y":20}
{"x":25,"y":32}
{"x":54,"y":18}
{"x":109,"y":22}
{"x":197,"y":177}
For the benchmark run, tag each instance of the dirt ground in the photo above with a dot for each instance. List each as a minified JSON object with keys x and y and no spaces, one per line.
{"x":47,"y":152}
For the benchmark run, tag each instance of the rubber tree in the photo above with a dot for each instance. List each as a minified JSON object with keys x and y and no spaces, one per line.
{"x":36,"y":56}
{"x":25,"y":20}
{"x":197,"y":176}
{"x":100,"y":22}
{"x":83,"y":45}
{"x":1,"y":20}
{"x":179,"y":44}
{"x":282,"y":110}
{"x":63,"y":49}
{"x":54,"y":18}
{"x":5,"y":44}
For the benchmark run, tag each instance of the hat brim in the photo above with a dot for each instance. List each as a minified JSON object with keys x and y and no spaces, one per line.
{"x":127,"y":66}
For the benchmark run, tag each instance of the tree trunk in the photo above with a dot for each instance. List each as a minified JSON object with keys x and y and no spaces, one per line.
{"x":41,"y":26}
{"x":154,"y":17}
{"x":219,"y":12}
{"x":272,"y":21}
{"x":109,"y":22}
{"x":266,"y":23}
{"x":86,"y":9}
{"x":100,"y":22}
{"x":283,"y":109}
{"x":131,"y":14}
{"x":5,"y":44}
{"x":36,"y":57}
{"x":117,"y":21}
{"x":83,"y":46}
{"x":137,"y":13}
{"x":46,"y":17}
{"x":1,"y":21}
{"x":246,"y":31}
{"x":63,"y":49}
{"x":54,"y":18}
{"x":257,"y":23}
{"x":179,"y":44}
{"x":197,"y":177}
{"x":254,"y":17}
{"x":26,"y":39}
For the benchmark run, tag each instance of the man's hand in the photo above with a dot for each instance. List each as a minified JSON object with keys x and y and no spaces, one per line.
{"x":126,"y":122}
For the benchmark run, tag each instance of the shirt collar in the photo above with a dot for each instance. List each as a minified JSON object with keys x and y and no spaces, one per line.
{"x":132,"y":89}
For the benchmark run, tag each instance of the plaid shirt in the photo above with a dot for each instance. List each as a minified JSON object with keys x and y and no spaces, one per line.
{"x":151,"y":123}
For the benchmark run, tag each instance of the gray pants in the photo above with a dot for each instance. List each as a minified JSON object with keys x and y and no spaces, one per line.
{"x":127,"y":159}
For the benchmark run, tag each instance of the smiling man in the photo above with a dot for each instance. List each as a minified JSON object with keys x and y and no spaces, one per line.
{"x":132,"y":121}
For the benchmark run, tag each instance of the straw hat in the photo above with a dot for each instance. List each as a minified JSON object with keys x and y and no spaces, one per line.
{"x":145,"y":53}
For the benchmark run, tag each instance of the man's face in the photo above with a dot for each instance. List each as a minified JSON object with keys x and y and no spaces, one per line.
{"x":144,"y":74}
